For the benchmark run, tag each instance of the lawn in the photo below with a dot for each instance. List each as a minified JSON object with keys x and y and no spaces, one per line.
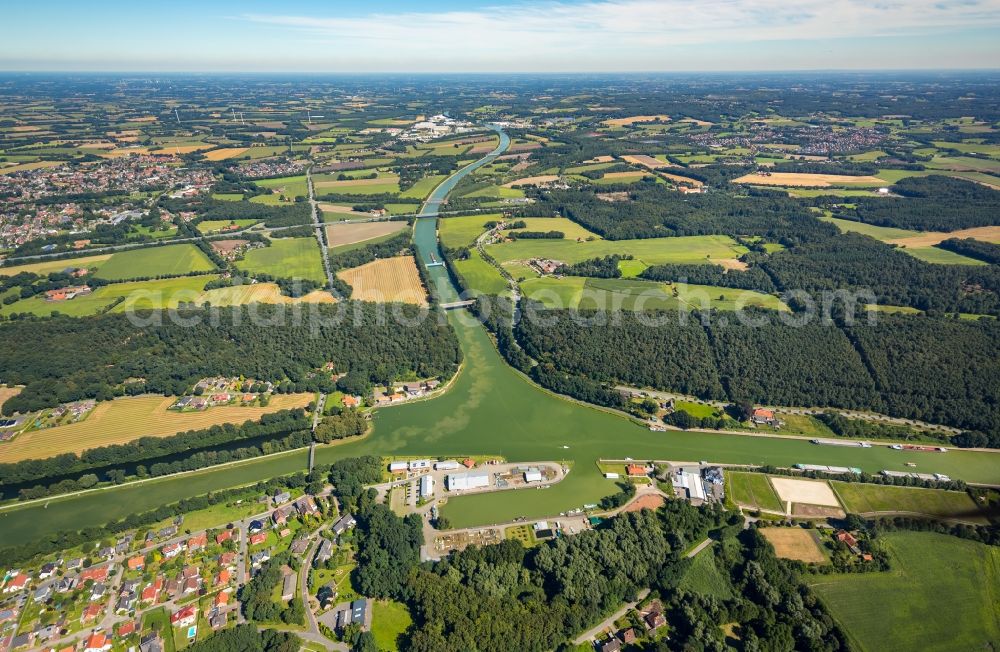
{"x":704,"y":577}
{"x":652,"y":251}
{"x":390,"y":619}
{"x":160,"y":620}
{"x":286,"y":258}
{"x":941,"y":594}
{"x":696,"y":409}
{"x":862,"y":498}
{"x":753,"y":490}
{"x":155,"y":261}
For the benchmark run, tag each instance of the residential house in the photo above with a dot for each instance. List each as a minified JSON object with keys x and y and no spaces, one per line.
{"x":299,"y":546}
{"x":17,"y":583}
{"x":171,"y":550}
{"x":258,"y":538}
{"x":219,"y":620}
{"x":95,"y":573}
{"x":344,"y":523}
{"x":223,"y":536}
{"x":90,"y":613}
{"x":227,"y":559}
{"x":74,"y":564}
{"x":42,"y":593}
{"x":306,"y":506}
{"x":127,"y":628}
{"x":325,"y":552}
{"x":280,"y":515}
{"x":22,"y":640}
{"x":126,"y":602}
{"x":281,"y":498}
{"x":636,"y":470}
{"x":97,"y":591}
{"x":66,"y":584}
{"x":221,"y":599}
{"x":97,"y":642}
{"x":259,"y":558}
{"x":136,"y":563}
{"x":197,"y":542}
{"x":763,"y":416}
{"x":611,"y":645}
{"x":184,"y":617}
{"x":151,"y":642}
{"x":288,"y":585}
{"x":222,"y":578}
{"x":47,"y":571}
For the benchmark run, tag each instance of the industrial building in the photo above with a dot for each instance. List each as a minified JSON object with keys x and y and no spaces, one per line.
{"x":464,"y":481}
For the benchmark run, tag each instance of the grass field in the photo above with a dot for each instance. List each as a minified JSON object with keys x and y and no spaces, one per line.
{"x":704,"y":577}
{"x":861,"y":498}
{"x":919,"y":244}
{"x":239,"y":295}
{"x":753,"y":490}
{"x":422,"y":188}
{"x":127,"y":419}
{"x":479,"y":276}
{"x":941,"y":594}
{"x":286,"y":258}
{"x":386,"y":280}
{"x":940,"y":256}
{"x":390,"y":619}
{"x":290,"y":187}
{"x":635,"y":294}
{"x":347,"y":234}
{"x":570,"y":229}
{"x":224,"y":153}
{"x":652,"y":251}
{"x":795,"y":543}
{"x":965,"y":163}
{"x":458,"y":232}
{"x":214,"y":226}
{"x":48,"y":266}
{"x":154,"y":261}
{"x":386,"y":183}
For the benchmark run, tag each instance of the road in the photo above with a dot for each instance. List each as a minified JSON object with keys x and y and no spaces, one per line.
{"x":318,"y":225}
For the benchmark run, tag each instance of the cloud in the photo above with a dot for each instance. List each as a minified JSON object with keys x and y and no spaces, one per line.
{"x":628,"y":27}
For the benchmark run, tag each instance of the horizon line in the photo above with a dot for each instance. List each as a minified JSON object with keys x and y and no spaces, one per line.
{"x":506,"y":72}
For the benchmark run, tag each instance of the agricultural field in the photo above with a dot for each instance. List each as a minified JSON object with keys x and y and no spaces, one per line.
{"x":338,"y":235}
{"x":154,"y":261}
{"x":570,"y":229}
{"x":940,"y":594}
{"x":286,"y":258}
{"x":920,"y":244}
{"x":636,"y":119}
{"x":861,"y":498}
{"x":422,"y":188}
{"x":385,"y":183}
{"x":479,"y":276}
{"x":795,"y":543}
{"x":809,"y":180}
{"x":290,"y":187}
{"x":386,"y":280}
{"x":754,"y":491}
{"x":126,"y":419}
{"x":239,"y":295}
{"x":224,"y":153}
{"x":458,"y":232}
{"x":652,"y":251}
{"x":49,"y":266}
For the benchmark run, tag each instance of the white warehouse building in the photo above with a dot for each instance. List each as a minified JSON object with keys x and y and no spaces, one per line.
{"x":427,"y":486}
{"x":447,"y":465}
{"x":463,"y":481}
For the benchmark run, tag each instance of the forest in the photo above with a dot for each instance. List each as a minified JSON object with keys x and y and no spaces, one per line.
{"x":107,"y":356}
{"x":367,"y":253}
{"x":931,"y":203}
{"x":984,"y":251}
{"x":754,"y":278}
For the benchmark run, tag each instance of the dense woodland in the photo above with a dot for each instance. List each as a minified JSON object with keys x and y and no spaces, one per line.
{"x":984,"y":251}
{"x":938,"y":370}
{"x":932,"y":203}
{"x":107,"y":356}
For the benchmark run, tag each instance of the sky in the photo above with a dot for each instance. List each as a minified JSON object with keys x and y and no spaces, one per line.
{"x":499,"y":35}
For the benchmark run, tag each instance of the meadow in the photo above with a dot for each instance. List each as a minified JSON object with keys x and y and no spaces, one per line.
{"x":795,"y":543}
{"x":390,"y":619}
{"x":940,"y":594}
{"x":385,"y":183}
{"x":703,"y":576}
{"x":479,"y":276}
{"x":809,"y":180}
{"x":214,"y":226}
{"x":290,"y":187}
{"x":338,"y":235}
{"x":861,"y":498}
{"x":126,"y":419}
{"x":154,"y":261}
{"x":915,"y":243}
{"x":49,"y":266}
{"x":286,"y":258}
{"x":652,"y":251}
{"x":570,"y":229}
{"x":458,"y":232}
{"x":753,"y":490}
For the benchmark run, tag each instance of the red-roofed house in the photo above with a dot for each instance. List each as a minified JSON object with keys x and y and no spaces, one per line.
{"x":350,"y":401}
{"x":222,"y":578}
{"x":221,"y":599}
{"x":469,"y":462}
{"x":764,"y":416}
{"x":97,"y":643}
{"x":17,"y":583}
{"x":126,"y":629}
{"x":197,"y":542}
{"x":184,"y":617}
{"x":258,"y":538}
{"x":223,"y":536}
{"x":172,"y":550}
{"x":636,"y":470}
{"x":96,"y":573}
{"x":136,"y":563}
{"x":92,"y":612}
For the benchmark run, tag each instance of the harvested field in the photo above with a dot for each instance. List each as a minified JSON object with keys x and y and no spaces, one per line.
{"x":810,"y":492}
{"x":730,"y":263}
{"x":29,"y":166}
{"x":258,"y":293}
{"x":646,"y":161}
{"x":386,"y":280}
{"x":794,"y":543}
{"x":625,"y":122}
{"x":931,"y":238}
{"x":649,"y":501}
{"x":860,"y":498}
{"x":345,"y":234}
{"x":624,"y":175}
{"x":601,"y":159}
{"x":8,"y":392}
{"x":806,"y":180}
{"x":532,"y":181}
{"x":679,"y":179}
{"x":127,"y":419}
{"x":177,"y":150}
{"x":700,"y":123}
{"x":224,"y":153}
{"x":802,"y":510}
{"x":327,"y":207}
